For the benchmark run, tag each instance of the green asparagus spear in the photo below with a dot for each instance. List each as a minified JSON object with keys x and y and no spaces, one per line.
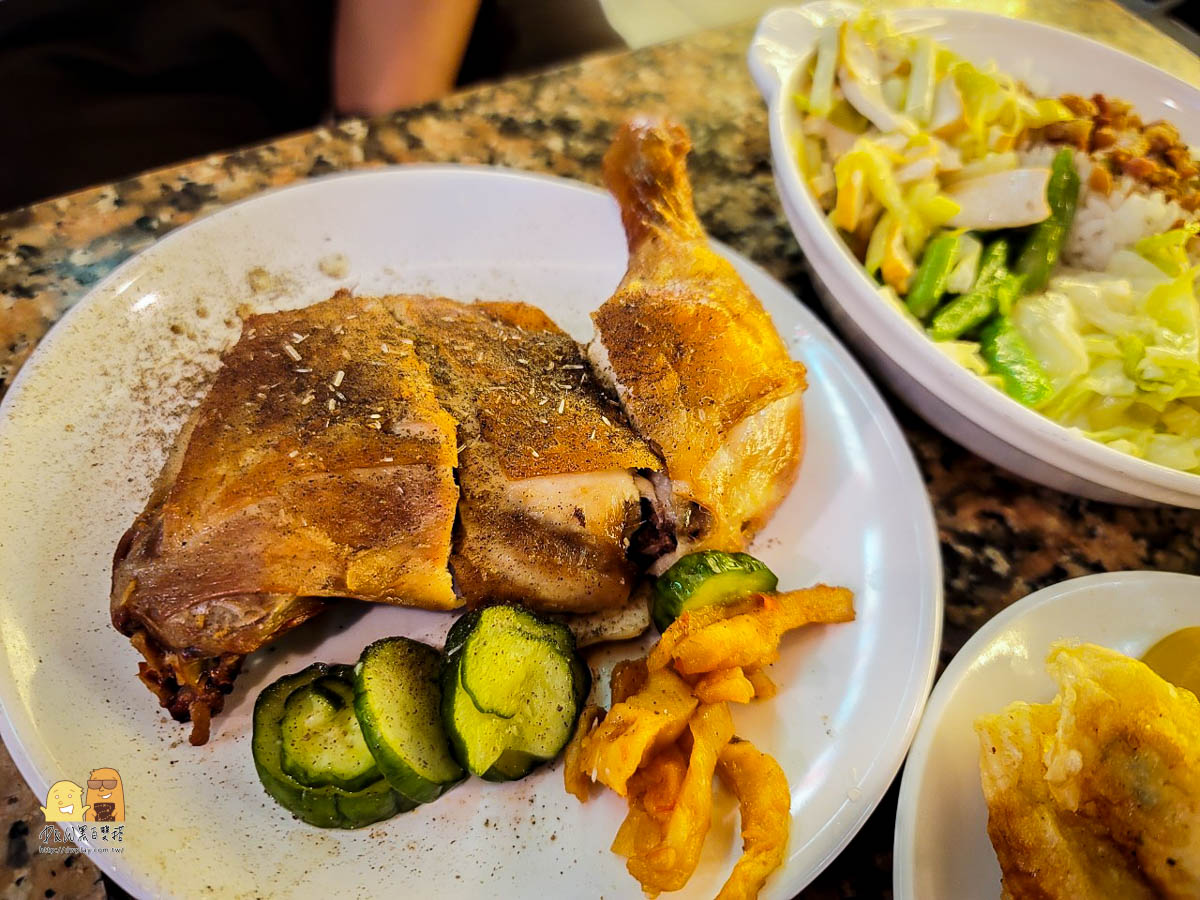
{"x":974,"y":307}
{"x":1045,"y":242}
{"x":929,"y":283}
{"x":1009,"y":356}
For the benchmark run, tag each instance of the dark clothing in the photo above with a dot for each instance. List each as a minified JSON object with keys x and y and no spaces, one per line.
{"x":97,"y":89}
{"x":94,"y":90}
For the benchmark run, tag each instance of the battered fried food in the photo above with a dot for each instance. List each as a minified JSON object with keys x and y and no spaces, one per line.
{"x":1096,"y":794}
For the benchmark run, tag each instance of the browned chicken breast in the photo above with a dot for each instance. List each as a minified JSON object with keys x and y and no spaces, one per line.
{"x":320,"y":464}
{"x":692,"y":355}
{"x":547,"y":463}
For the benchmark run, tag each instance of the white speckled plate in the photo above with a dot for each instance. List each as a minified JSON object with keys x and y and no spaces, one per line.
{"x":83,"y":431}
{"x":942,"y":851}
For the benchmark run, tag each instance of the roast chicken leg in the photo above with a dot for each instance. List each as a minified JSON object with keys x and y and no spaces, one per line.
{"x":692,"y":355}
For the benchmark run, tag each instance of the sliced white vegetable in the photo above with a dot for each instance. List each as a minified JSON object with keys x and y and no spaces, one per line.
{"x":948,"y":158}
{"x":925,"y":167}
{"x":866,"y":97}
{"x":962,"y":276}
{"x":893,"y":91}
{"x":820,"y":97}
{"x":993,"y":162}
{"x":857,"y":56}
{"x":947,"y":116}
{"x":837,"y":140}
{"x":918,"y":103}
{"x":1001,"y":200}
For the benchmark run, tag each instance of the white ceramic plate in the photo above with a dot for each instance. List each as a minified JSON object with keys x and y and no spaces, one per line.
{"x":942,"y":851}
{"x":952,"y":399}
{"x":83,"y":433}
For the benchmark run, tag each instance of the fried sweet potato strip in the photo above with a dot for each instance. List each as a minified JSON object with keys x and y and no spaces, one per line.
{"x":752,"y":638}
{"x":633,"y":729}
{"x":668,"y":864}
{"x":765,"y":805}
{"x":653,"y":792}
{"x":692,"y":621}
{"x":628,"y":677}
{"x":578,"y":781}
{"x":764,"y":687}
{"x":669,"y":732}
{"x":724,"y":685}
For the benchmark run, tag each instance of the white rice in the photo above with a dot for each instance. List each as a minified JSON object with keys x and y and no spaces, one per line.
{"x":1105,"y":224}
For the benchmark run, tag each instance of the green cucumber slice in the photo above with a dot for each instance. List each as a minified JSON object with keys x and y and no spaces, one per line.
{"x":509,"y":666}
{"x":704,"y":578}
{"x":398,"y":702}
{"x":512,"y":687}
{"x":322,"y":743}
{"x":328,"y":806}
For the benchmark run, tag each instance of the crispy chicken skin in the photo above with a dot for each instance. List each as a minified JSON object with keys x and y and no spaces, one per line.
{"x":319,"y":464}
{"x":548,"y":500}
{"x":692,"y":355}
{"x":1096,"y":794}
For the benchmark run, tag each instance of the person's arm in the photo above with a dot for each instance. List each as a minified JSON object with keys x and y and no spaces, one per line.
{"x":393,"y":53}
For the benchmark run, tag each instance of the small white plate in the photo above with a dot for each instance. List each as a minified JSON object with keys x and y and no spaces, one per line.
{"x":942,"y":851}
{"x":949,"y":397}
{"x":82,"y":433}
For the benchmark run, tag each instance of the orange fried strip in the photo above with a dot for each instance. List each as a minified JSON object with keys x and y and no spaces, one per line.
{"x":764,"y":687}
{"x":668,"y":865}
{"x":765,"y":804}
{"x":628,"y":677}
{"x":657,"y":785}
{"x":817,"y":605}
{"x":653,"y":792}
{"x":724,"y":685}
{"x":577,"y":780}
{"x":752,"y":638}
{"x":694,"y":620}
{"x":633,"y":729}
{"x":745,"y":640}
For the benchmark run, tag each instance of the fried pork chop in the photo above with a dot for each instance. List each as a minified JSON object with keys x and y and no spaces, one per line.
{"x":691,"y":353}
{"x":320,"y":464}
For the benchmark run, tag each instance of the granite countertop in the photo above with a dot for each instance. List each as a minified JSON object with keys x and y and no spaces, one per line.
{"x":1002,"y":537}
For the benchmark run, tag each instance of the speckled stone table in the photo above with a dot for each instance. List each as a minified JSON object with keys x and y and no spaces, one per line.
{"x":1001,"y":536}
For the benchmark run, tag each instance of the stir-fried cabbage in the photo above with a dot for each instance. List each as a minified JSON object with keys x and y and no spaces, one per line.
{"x":1122,"y":348}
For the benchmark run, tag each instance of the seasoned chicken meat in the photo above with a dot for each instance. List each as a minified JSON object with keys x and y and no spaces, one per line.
{"x":1096,"y":794}
{"x":692,"y":355}
{"x":319,"y":464}
{"x":549,"y":500}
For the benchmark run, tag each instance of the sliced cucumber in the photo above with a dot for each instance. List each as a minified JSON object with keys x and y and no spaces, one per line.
{"x":398,"y":701}
{"x":513,"y":642}
{"x":327,"y":806}
{"x":704,"y":578}
{"x":322,"y":742}
{"x":512,"y":686}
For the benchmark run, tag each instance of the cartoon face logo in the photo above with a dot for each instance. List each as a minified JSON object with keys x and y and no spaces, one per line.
{"x":105,"y":796}
{"x":64,"y":802}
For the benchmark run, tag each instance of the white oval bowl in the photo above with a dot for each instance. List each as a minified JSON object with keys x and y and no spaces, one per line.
{"x":942,"y":850}
{"x":948,"y":396}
